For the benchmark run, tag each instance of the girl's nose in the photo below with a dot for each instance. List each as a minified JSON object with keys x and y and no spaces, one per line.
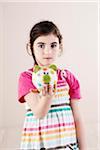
{"x":47,"y":50}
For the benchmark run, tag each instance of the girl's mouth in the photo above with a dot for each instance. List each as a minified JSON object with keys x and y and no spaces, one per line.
{"x":48,"y":58}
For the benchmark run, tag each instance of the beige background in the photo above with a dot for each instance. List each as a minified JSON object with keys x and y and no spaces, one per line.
{"x":78,"y":22}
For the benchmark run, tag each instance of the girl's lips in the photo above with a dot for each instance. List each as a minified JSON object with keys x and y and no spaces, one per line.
{"x":48,"y":58}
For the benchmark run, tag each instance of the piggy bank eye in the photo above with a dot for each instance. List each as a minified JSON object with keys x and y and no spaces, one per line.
{"x":47,"y":72}
{"x":44,"y":72}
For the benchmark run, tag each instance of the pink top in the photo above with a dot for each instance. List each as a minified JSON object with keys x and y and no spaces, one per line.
{"x":25,"y":84}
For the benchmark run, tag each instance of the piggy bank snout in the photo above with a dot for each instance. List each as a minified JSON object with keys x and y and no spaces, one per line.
{"x":46,"y":78}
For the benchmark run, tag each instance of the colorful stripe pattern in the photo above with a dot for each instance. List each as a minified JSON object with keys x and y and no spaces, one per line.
{"x":56,"y":130}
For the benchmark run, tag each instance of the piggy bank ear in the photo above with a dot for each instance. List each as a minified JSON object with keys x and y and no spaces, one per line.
{"x":36,"y":68}
{"x":54,"y":67}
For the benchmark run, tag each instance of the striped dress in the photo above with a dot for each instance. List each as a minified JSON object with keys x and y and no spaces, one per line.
{"x":57,"y":129}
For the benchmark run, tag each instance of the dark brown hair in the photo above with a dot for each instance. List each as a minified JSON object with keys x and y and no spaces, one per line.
{"x":43,"y":28}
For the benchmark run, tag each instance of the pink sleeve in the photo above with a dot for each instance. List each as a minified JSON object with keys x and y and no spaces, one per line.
{"x":25,"y":85}
{"x":74,"y":85}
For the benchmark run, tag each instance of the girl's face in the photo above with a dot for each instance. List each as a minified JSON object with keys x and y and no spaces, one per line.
{"x":46,"y":49}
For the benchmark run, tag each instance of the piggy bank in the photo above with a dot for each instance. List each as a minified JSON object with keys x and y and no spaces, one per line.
{"x":44,"y":75}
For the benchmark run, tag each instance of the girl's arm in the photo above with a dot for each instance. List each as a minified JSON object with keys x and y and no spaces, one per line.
{"x":40,"y":104}
{"x":79,"y":124}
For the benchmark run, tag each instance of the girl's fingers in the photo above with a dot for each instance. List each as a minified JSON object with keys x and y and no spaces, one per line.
{"x":47,"y":86}
{"x":54,"y":88}
{"x":44,"y":91}
{"x":51,"y":90}
{"x":48,"y":89}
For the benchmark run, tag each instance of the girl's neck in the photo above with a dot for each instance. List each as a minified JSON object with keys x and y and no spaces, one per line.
{"x":41,"y":65}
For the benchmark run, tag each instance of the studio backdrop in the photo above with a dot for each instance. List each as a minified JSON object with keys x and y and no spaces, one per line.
{"x":78,"y":23}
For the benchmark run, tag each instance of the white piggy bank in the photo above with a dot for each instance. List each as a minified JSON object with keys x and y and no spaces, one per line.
{"x":44,"y":75}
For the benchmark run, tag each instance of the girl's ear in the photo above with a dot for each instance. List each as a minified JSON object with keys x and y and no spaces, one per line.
{"x":36,"y":68}
{"x":54,"y":67}
{"x":28,"y":49}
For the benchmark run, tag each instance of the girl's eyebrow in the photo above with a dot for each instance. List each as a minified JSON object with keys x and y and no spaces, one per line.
{"x":45,"y":43}
{"x":41,"y":43}
{"x":54,"y":43}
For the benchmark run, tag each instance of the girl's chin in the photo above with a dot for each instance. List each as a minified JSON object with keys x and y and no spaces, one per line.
{"x":48,"y":63}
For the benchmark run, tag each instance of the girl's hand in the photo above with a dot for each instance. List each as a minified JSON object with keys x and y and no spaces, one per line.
{"x":48,"y":91}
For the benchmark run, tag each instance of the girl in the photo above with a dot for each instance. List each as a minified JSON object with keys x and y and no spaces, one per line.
{"x":52,"y":120}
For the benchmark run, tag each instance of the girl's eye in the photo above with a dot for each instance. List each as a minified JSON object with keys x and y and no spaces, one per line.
{"x":53,"y":45}
{"x":41,"y":46}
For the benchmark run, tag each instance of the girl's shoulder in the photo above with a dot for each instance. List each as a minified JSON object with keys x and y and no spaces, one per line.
{"x":72,"y":81}
{"x":27,"y":73}
{"x":64,"y":73}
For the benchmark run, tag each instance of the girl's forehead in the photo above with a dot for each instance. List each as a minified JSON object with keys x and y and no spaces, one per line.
{"x":47,"y":38}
